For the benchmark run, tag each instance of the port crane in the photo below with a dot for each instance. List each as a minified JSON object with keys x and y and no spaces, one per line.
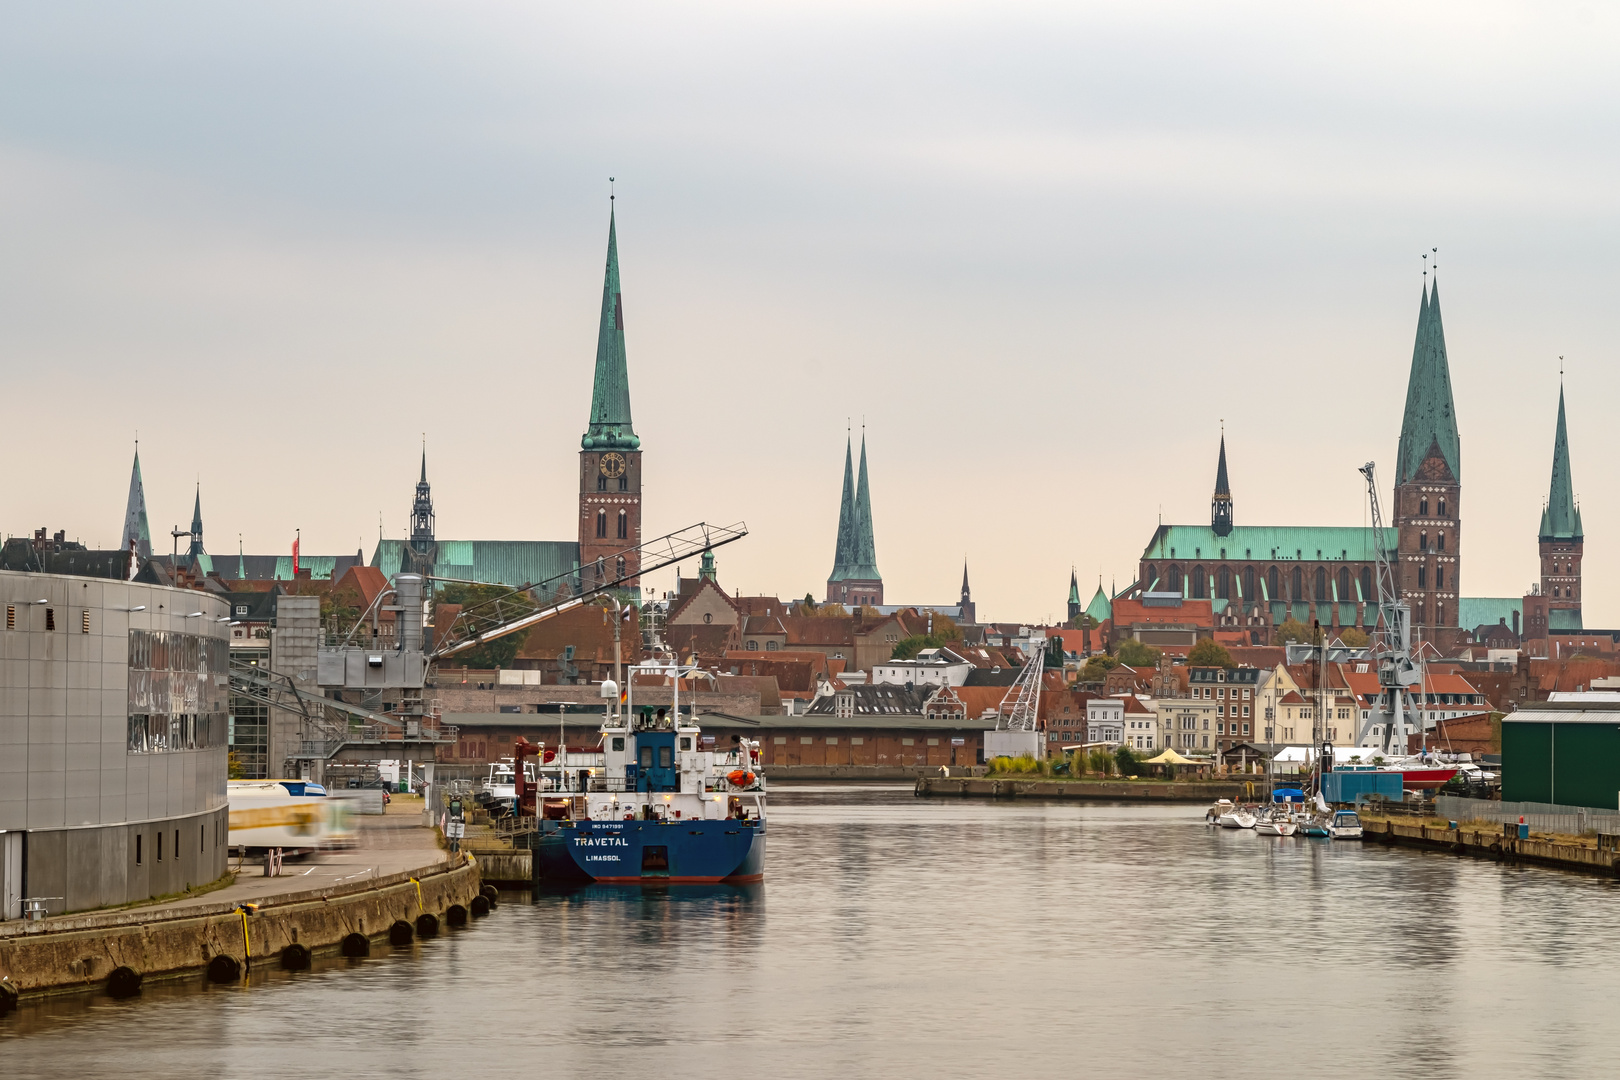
{"x":1395,"y":647}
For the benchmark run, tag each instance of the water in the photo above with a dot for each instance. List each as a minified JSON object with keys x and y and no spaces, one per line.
{"x":897,"y":937}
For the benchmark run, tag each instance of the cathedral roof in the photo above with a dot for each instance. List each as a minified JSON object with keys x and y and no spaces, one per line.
{"x":1222,"y":486}
{"x":1100,"y":609}
{"x":610,"y":427}
{"x":1429,"y":425}
{"x":1561,"y":519}
{"x":1279,"y":543}
{"x":495,"y":562}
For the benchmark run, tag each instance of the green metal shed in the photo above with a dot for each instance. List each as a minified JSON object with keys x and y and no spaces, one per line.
{"x":1564,"y":752}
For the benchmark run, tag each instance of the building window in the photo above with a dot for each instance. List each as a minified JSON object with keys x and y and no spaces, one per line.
{"x":1296,"y":582}
{"x":624,"y":525}
{"x":618,"y":565}
{"x":1248,"y":583}
{"x":1440,"y":577}
{"x":1271,"y":582}
{"x":1423,"y":541}
{"x":1344,"y":584}
{"x":1442,"y":543}
{"x":601,"y":483}
{"x":1198,"y":583}
{"x":624,"y":482}
{"x":1321,"y":584}
{"x":1423,"y":576}
{"x":601,"y":523}
{"x":1366,"y":585}
{"x":752,"y":646}
{"x":1423,"y":506}
{"x":832,"y":740}
{"x":1175,"y":579}
{"x":1224,"y":588}
{"x":1442,"y":507}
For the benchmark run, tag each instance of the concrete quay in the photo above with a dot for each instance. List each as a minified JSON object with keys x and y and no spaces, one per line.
{"x":1162,"y":791}
{"x":396,"y":886}
{"x":1490,"y":842}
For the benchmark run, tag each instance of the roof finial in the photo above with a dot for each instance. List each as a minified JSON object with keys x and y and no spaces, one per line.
{"x":611,"y":196}
{"x":1425,"y":269}
{"x":1436,"y":263}
{"x":1560,"y":370}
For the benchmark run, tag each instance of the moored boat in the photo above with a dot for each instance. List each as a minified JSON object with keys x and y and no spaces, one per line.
{"x":1274,"y":821}
{"x":1344,"y":825}
{"x":1236,"y":818}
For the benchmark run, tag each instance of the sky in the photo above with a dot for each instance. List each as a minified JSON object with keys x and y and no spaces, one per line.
{"x":1040,"y":251}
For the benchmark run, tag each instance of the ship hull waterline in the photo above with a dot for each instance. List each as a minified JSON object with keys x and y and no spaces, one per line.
{"x":680,"y":852}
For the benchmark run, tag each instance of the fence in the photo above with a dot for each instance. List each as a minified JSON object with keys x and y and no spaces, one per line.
{"x":1543,"y":817}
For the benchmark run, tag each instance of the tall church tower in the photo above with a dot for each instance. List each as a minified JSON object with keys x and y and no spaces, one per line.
{"x":422,"y":549}
{"x":610,"y":452}
{"x":137,"y":534}
{"x":1220,"y":507}
{"x":1428,"y":484}
{"x":855,"y":581}
{"x":1561,"y":539}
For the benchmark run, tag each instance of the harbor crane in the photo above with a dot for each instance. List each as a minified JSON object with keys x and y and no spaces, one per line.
{"x":1395,"y":647}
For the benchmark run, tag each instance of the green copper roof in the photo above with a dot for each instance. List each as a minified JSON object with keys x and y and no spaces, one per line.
{"x":610,"y":427}
{"x":855,"y":557}
{"x":1430,"y":421}
{"x":1222,"y":486}
{"x":1099,"y":608}
{"x":1561,"y":520}
{"x":1280,"y":543}
{"x":1476,"y":611}
{"x":1564,"y":620}
{"x":135,"y":526}
{"x":1074,"y":588}
{"x":496,"y":562}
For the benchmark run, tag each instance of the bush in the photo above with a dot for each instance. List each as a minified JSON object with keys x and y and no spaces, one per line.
{"x":1136,"y":654}
{"x":1127,"y":761}
{"x":1100,"y":762}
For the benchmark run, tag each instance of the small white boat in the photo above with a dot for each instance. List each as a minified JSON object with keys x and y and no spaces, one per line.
{"x":1344,"y":825}
{"x":1274,"y":821}
{"x":1219,"y":807}
{"x":1236,"y":818}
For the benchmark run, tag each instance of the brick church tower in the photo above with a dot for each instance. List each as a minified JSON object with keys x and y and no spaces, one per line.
{"x":1556,"y":605}
{"x":1428,"y":484}
{"x":610,"y":452}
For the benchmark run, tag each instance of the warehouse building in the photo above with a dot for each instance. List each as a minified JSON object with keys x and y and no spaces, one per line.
{"x":1565,"y":752}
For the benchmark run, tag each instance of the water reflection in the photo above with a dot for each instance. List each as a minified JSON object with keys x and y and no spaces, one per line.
{"x":935,"y":939}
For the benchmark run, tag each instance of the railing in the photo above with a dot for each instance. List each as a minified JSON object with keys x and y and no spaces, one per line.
{"x":1542,"y":817}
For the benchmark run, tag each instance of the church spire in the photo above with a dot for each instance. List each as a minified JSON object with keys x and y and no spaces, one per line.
{"x":1429,"y":426}
{"x":865,"y":549}
{"x":610,"y":427}
{"x":196,"y":525}
{"x":967,"y":593}
{"x":135,"y":526}
{"x":844,"y":551}
{"x":1561,"y":520}
{"x":1220,"y":507}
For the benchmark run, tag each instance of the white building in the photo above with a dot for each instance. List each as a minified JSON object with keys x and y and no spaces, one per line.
{"x":931,"y":667}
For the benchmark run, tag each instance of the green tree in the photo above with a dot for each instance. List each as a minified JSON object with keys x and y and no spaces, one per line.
{"x":1054,"y":654}
{"x":1100,"y":762}
{"x":1208,"y":652}
{"x":1292,"y":629}
{"x":1097,"y":668}
{"x":1355,"y":638}
{"x":1128,"y":762}
{"x":1135,"y":654}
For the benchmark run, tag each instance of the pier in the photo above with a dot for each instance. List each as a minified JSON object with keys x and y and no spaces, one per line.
{"x":1092,"y":790}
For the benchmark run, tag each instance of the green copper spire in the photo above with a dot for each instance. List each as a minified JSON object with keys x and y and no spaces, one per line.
{"x":1430,"y":422}
{"x":1100,"y":609}
{"x":1220,"y":506}
{"x":196,"y":525}
{"x":844,"y":551}
{"x":865,"y":549}
{"x":136,"y":531}
{"x":610,"y":427}
{"x":1561,"y":520}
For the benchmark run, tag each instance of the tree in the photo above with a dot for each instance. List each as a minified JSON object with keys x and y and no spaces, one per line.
{"x":1292,"y":629}
{"x":1356,"y":639}
{"x":1208,"y":652}
{"x":1128,"y":761}
{"x":1054,"y":654}
{"x":1097,"y":668}
{"x":1135,"y":654}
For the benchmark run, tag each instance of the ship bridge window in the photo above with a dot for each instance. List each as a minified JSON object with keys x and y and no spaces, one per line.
{"x":618,"y":742}
{"x":686,"y":742}
{"x":666,"y":757}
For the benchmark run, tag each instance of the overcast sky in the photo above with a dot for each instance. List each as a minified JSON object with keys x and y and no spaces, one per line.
{"x":1043,"y":250}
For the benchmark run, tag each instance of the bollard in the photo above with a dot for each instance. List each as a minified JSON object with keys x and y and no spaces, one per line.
{"x":401,"y":933}
{"x":356,"y":945}
{"x":123,"y":982}
{"x":427,"y":925}
{"x":295,"y":957}
{"x":224,"y":969}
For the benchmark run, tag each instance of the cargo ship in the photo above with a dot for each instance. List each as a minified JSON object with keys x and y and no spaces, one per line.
{"x":667,"y":807}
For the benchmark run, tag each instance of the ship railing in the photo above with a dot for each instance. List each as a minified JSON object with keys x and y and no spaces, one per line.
{"x":608,"y":783}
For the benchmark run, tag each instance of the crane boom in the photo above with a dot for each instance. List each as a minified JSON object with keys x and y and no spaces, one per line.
{"x":509,"y":612}
{"x":1394,"y":647}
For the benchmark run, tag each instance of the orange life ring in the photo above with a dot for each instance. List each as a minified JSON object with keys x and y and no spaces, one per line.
{"x":740,"y":777}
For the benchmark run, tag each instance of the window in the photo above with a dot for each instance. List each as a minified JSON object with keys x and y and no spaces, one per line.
{"x":618,"y":566}
{"x":84,"y":621}
{"x":624,"y":525}
{"x":11,"y":616}
{"x":601,"y":523}
{"x":832,"y":740}
{"x":1198,"y":584}
{"x":856,"y":740}
{"x":1442,"y":545}
{"x":1442,"y":507}
{"x":908,"y":742}
{"x":137,"y":849}
{"x":1175,"y":578}
{"x":1423,"y":576}
{"x":1423,"y":541}
{"x":806,"y":740}
{"x":1321,"y":584}
{"x":1439,"y":614}
{"x":781,"y":740}
{"x":624,"y":482}
{"x":50,"y":618}
{"x":1296,"y":581}
{"x":1248,"y":582}
{"x":1440,"y":577}
{"x":160,"y":846}
{"x":1366,"y":585}
{"x":1224,"y":588}
{"x":1423,"y":506}
{"x":770,"y":646}
{"x":601,"y":483}
{"x":752,"y":646}
{"x":1344,"y":585}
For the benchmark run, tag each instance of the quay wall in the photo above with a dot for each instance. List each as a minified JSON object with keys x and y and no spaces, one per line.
{"x":76,"y":953}
{"x":1091,"y":790}
{"x":1491,"y":844}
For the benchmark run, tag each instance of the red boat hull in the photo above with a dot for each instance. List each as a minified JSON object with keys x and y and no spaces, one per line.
{"x":1425,"y":777}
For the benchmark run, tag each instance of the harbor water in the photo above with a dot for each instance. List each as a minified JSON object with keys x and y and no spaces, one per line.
{"x":899,"y":937}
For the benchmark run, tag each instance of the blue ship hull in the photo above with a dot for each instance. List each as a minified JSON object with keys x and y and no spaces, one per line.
{"x":674,"y":852}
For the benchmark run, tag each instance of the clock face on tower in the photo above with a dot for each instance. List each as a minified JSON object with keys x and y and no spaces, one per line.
{"x":612,"y":466}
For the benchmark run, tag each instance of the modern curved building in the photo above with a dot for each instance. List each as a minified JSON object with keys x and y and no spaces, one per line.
{"x":113,"y":733}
